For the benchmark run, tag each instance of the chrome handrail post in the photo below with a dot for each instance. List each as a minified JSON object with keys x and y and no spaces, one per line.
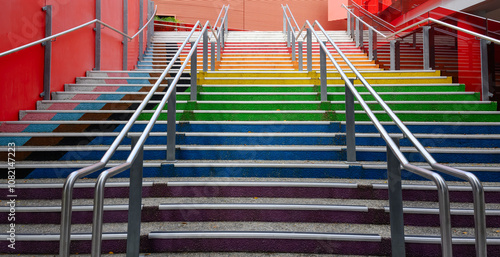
{"x":428,"y":51}
{"x":395,"y":54}
{"x":171,"y":124}
{"x":350,"y":121}
{"x":218,"y":48}
{"x":135,"y":202}
{"x":293,"y":49}
{"x":486,"y":71}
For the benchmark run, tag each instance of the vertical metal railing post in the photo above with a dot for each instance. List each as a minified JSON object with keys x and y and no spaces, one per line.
{"x":218,"y":48}
{"x":395,"y":202}
{"x":135,"y":202}
{"x":171,"y":123}
{"x":414,"y":40}
{"x":323,"y":75}
{"x":350,"y":120}
{"x":205,"y":51}
{"x":288,"y":35}
{"x":372,"y":44}
{"x":294,"y":58}
{"x":428,"y":51}
{"x":125,"y":31}
{"x":486,"y":73}
{"x":151,"y":24}
{"x":47,"y":59}
{"x":194,"y":72}
{"x":301,"y":56}
{"x":309,"y":49}
{"x":284,"y":21}
{"x":394,"y":55}
{"x":212,"y":56}
{"x":221,"y":35}
{"x":141,"y":23}
{"x":361,"y":34}
{"x":97,"y":53}
{"x":226,"y":22}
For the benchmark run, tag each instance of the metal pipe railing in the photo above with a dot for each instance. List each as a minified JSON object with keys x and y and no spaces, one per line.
{"x":426,"y":20}
{"x":101,"y":181}
{"x":444,"y":202}
{"x":478,"y":191}
{"x":67,"y":195}
{"x":77,"y":28}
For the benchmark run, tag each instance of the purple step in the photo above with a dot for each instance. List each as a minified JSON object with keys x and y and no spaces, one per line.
{"x":253,"y":189}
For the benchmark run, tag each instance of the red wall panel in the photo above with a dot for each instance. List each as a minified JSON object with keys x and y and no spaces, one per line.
{"x":23,"y":21}
{"x":21,"y":76}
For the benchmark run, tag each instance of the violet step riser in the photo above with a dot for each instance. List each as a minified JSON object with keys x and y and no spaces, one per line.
{"x":152,"y":214}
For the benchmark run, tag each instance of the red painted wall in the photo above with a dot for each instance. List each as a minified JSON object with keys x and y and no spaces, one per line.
{"x":262,"y":15}
{"x":23,"y":21}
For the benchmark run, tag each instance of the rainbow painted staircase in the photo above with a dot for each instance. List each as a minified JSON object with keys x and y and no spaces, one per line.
{"x":261,"y":161}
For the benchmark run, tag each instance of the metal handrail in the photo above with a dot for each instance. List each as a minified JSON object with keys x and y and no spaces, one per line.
{"x":496,"y":41}
{"x":293,"y":18}
{"x":67,"y":197}
{"x":223,"y":22}
{"x":444,"y":201}
{"x":478,"y":191}
{"x":77,"y":28}
{"x":101,"y":181}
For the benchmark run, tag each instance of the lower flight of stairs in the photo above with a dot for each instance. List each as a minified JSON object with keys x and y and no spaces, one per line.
{"x":261,"y":161}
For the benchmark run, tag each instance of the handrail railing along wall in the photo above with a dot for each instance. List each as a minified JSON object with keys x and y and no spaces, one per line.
{"x":478,"y":191}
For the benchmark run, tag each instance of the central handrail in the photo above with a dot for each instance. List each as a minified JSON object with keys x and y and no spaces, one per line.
{"x":74,"y":176}
{"x":477,"y":188}
{"x":77,"y":28}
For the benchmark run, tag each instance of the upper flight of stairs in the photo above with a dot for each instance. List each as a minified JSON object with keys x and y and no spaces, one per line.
{"x":261,"y":160}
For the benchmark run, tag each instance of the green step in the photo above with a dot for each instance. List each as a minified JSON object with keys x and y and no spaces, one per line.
{"x":438,"y":116}
{"x":336,"y":97}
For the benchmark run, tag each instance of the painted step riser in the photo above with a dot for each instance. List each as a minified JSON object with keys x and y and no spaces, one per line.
{"x":166,"y":190}
{"x":251,"y":154}
{"x":209,"y":245}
